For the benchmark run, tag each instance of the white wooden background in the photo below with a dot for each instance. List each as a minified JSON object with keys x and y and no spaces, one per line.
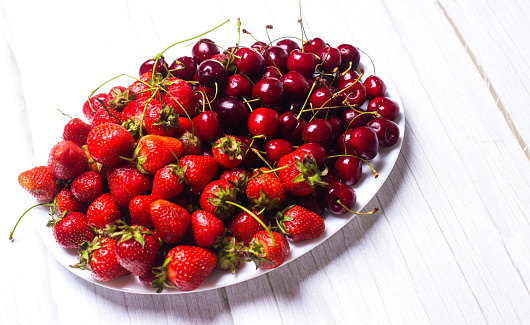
{"x":451,"y":242}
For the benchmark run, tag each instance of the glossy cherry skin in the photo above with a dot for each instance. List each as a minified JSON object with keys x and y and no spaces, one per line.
{"x":311,"y":202}
{"x":211,"y":72}
{"x":263,"y":121}
{"x":349,"y":53}
{"x":336,"y":125}
{"x":318,"y":131}
{"x":354,"y":93}
{"x":295,"y":85}
{"x":385,"y":106}
{"x":249,"y":61}
{"x":272,"y":72}
{"x":322,"y":97}
{"x":206,"y":126}
{"x":317,"y":150}
{"x":288,"y":45}
{"x":314,"y":45}
{"x":364,"y":142}
{"x":329,"y":59}
{"x":349,"y":169}
{"x":353,"y":119}
{"x":387,"y":131}
{"x":251,"y":159}
{"x":161,"y":66}
{"x":343,"y":143}
{"x":277,"y":148}
{"x":347,"y":78}
{"x":277,"y":57}
{"x":232,"y":112}
{"x":204,"y":49}
{"x":291,"y":128}
{"x":183,"y":68}
{"x":375,"y":87}
{"x":269,"y":90}
{"x":238,"y":86}
{"x":302,"y":62}
{"x":259,"y":46}
{"x":337,"y":192}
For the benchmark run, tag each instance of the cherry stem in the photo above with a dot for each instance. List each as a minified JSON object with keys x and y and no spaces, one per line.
{"x":306,"y":100}
{"x":357,"y":213}
{"x":182,"y":107}
{"x":373,"y":65}
{"x":64,"y":114}
{"x":361,"y":159}
{"x":256,"y":218}
{"x":356,"y":80}
{"x":36,"y":205}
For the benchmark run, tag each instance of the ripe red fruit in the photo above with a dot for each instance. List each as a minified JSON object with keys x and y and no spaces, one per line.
{"x":108,"y":142}
{"x":160,"y":119}
{"x":67,"y":160}
{"x":76,"y":130}
{"x":72,"y":230}
{"x":171,"y":221}
{"x":179,"y":96}
{"x":206,"y":126}
{"x":94,"y":104}
{"x":364,"y":142}
{"x":147,"y":86}
{"x":302,"y":174}
{"x":385,"y":106}
{"x":214,"y":196}
{"x":168,"y":183}
{"x":40,"y":183}
{"x":266,"y":254}
{"x":228,"y":151}
{"x":199,"y":171}
{"x":249,"y":61}
{"x":155,"y":151}
{"x":87,"y":186}
{"x":204,"y":49}
{"x":298,"y":223}
{"x":103,"y":211}
{"x":66,"y":202}
{"x":243,"y":226}
{"x":189,"y":266}
{"x":265,"y":190}
{"x":136,"y":248}
{"x":264,"y":122}
{"x":139,"y":208}
{"x":126,"y":181}
{"x":205,"y":228}
{"x":108,"y":115}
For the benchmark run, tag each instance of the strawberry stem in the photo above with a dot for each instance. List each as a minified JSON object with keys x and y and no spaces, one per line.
{"x":256,"y":218}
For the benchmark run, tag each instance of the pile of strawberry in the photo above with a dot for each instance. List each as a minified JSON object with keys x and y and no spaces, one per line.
{"x":217,"y":159}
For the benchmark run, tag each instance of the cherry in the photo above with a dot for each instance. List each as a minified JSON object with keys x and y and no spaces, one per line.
{"x":336,"y":125}
{"x":291,"y":128}
{"x":204,"y":49}
{"x":204,"y":97}
{"x":161,"y":66}
{"x":314,"y":45}
{"x":259,"y":46}
{"x":375,"y":87}
{"x":302,"y":62}
{"x":339,"y":198}
{"x":277,"y":148}
{"x":191,"y":144}
{"x":343,"y":143}
{"x":206,"y":126}
{"x":346,"y":78}
{"x":250,"y":61}
{"x":288,"y":45}
{"x":295,"y":85}
{"x":322,"y":97}
{"x":353,"y":119}
{"x":232,"y":113}
{"x":349,"y":169}
{"x":269,"y":90}
{"x":364,"y":142}
{"x":183,"y":68}
{"x":211,"y":72}
{"x":317,"y":150}
{"x":354,"y":93}
{"x":318,"y":131}
{"x":238,"y":86}
{"x":387,"y":131}
{"x":329,"y":59}
{"x":385,"y":106}
{"x":271,"y":72}
{"x":277,"y":57}
{"x":330,"y":177}
{"x":311,"y":202}
{"x":349,"y":53}
{"x":263,"y":122}
{"x":251,"y":159}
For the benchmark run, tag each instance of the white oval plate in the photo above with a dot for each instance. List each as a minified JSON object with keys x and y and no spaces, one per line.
{"x":366,"y":189}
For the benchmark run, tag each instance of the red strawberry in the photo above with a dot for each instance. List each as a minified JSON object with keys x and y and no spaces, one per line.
{"x":205,"y":228}
{"x":67,"y":160}
{"x":40,"y":183}
{"x":119,"y":97}
{"x":237,"y":176}
{"x":72,"y":230}
{"x":107,"y":115}
{"x":171,"y":221}
{"x":136,"y":248}
{"x":179,"y":95}
{"x":265,"y":190}
{"x":94,"y":104}
{"x":66,"y":202}
{"x":168,"y":183}
{"x":302,"y":174}
{"x":126,"y":181}
{"x":266,"y":254}
{"x":189,"y":266}
{"x":243,"y":226}
{"x":230,"y":253}
{"x":155,"y":151}
{"x":160,"y":119}
{"x":139,"y":208}
{"x":228,"y":151}
{"x":214,"y":197}
{"x":200,"y":170}
{"x":146,"y":86}
{"x":99,"y":256}
{"x":76,"y":130}
{"x":87,"y":186}
{"x":184,"y":125}
{"x":298,"y":223}
{"x":108,"y":142}
{"x":103,"y":211}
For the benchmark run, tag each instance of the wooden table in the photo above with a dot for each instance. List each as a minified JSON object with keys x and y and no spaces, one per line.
{"x":451,"y":242}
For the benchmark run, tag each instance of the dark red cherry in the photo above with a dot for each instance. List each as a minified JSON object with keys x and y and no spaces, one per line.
{"x":349,"y":53}
{"x":314,"y":45}
{"x":385,"y":106}
{"x":375,"y":87}
{"x":259,"y":46}
{"x":161,"y":66}
{"x":330,"y":177}
{"x":329,"y":59}
{"x":346,"y":78}
{"x":354,"y":93}
{"x":352,"y":119}
{"x":318,"y":131}
{"x":336,"y":125}
{"x":311,"y":202}
{"x":204,"y":49}
{"x":271,"y":72}
{"x":288,"y":45}
{"x":238,"y":86}
{"x":232,"y":113}
{"x":322,"y":97}
{"x":264,"y":122}
{"x":277,"y":57}
{"x":349,"y":169}
{"x":183,"y":68}
{"x":249,"y":61}
{"x":317,"y":150}
{"x":291,"y":128}
{"x":364,"y":142}
{"x":251,"y":159}
{"x":204,"y":97}
{"x":339,"y":198}
{"x":295,"y":85}
{"x":206,"y":126}
{"x":387,"y":131}
{"x":277,"y":148}
{"x":211,"y":72}
{"x":302,"y":62}
{"x":269,"y":90}
{"x":343,"y":143}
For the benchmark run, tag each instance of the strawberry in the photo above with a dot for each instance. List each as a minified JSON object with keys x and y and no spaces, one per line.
{"x":67,"y":160}
{"x":107,"y":115}
{"x":139,"y":208}
{"x":72,"y":230}
{"x":155,"y":151}
{"x":264,"y":189}
{"x":103,"y":211}
{"x":228,"y":151}
{"x":301,"y":175}
{"x":298,"y":223}
{"x":230,"y":253}
{"x":237,"y":176}
{"x":179,"y":95}
{"x":146,"y":86}
{"x":119,"y":97}
{"x":99,"y":256}
{"x":168,"y":182}
{"x":200,"y":170}
{"x":266,"y":254}
{"x":205,"y":228}
{"x":94,"y":104}
{"x":185,"y":125}
{"x":136,"y":248}
{"x":171,"y":221}
{"x":87,"y":186}
{"x":243,"y":226}
{"x":126,"y":181}
{"x":40,"y":183}
{"x":160,"y":119}
{"x":76,"y":130}
{"x":107,"y":143}
{"x":189,"y":266}
{"x":66,"y":202}
{"x":214,"y":198}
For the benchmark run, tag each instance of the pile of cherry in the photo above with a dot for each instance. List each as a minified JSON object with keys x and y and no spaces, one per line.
{"x":216,"y":159}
